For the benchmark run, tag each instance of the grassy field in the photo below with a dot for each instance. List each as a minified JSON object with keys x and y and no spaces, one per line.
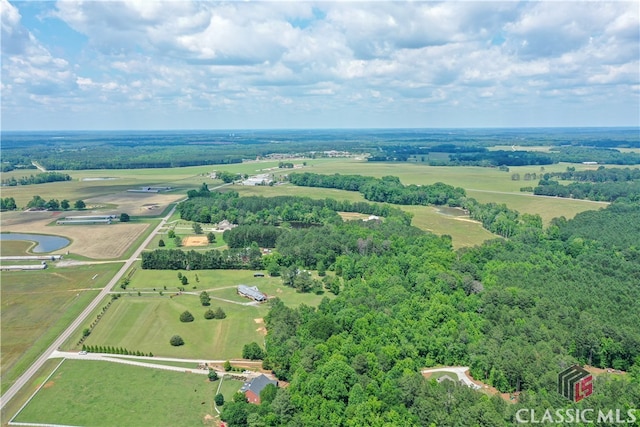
{"x":230,"y":387}
{"x":147,"y":323}
{"x":547,"y":207}
{"x":80,"y":393}
{"x":15,"y":247}
{"x":485,"y":184}
{"x":38,"y":305}
{"x":219,"y":283}
{"x":14,"y":405}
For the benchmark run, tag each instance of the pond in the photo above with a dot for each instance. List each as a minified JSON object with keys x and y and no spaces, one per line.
{"x":44,"y":243}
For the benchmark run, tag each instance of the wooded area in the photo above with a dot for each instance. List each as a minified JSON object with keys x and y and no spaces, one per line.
{"x":517,"y":311}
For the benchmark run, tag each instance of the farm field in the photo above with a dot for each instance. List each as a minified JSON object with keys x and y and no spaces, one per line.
{"x":15,"y":247}
{"x":547,"y":207}
{"x":14,"y":405}
{"x":38,"y":305}
{"x":79,"y":393}
{"x":99,"y":186}
{"x":484,"y":184}
{"x":467,"y":177}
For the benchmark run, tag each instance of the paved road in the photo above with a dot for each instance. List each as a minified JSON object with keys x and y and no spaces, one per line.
{"x":148,"y":362}
{"x":20,"y":382}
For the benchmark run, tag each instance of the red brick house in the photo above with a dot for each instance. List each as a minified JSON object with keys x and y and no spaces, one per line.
{"x":252,"y":389}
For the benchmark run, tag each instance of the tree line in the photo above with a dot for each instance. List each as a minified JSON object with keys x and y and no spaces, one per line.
{"x":39,"y":178}
{"x":387,"y":189}
{"x":602,"y":174}
{"x":597,"y":191}
{"x":209,"y":207}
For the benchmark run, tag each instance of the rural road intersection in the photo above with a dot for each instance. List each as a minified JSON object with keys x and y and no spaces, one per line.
{"x":30,"y":372}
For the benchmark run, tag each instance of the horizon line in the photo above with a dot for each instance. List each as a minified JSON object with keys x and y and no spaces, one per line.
{"x":322,"y":128}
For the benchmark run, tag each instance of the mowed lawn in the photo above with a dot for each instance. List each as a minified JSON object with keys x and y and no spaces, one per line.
{"x":93,"y":393}
{"x":221,"y":284}
{"x":38,"y":305}
{"x":147,"y":322}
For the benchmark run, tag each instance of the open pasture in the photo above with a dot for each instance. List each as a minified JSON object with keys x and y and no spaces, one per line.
{"x":80,"y":393}
{"x":135,"y":204}
{"x":38,"y":305}
{"x":547,"y":207}
{"x":484,"y":184}
{"x":146,"y":323}
{"x":93,"y":185}
{"x":15,"y":247}
{"x":94,"y":241}
{"x":463,"y":233}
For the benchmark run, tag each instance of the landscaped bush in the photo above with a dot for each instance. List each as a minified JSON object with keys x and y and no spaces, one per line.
{"x":186,"y":317}
{"x":176,"y":341}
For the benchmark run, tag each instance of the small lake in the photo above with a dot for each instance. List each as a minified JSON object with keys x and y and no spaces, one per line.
{"x":44,"y":243}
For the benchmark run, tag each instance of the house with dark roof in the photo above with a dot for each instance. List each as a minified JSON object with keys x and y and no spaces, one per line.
{"x":252,"y":389}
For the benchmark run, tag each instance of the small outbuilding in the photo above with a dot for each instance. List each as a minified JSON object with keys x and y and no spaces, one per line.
{"x":251,"y":292}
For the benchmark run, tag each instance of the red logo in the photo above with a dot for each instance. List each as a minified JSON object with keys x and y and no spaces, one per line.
{"x":575,"y":383}
{"x":583,"y":388}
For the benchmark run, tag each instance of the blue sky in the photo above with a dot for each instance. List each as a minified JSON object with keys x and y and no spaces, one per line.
{"x":233,"y":65}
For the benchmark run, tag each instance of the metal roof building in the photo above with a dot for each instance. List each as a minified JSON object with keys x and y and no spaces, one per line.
{"x":251,"y":292}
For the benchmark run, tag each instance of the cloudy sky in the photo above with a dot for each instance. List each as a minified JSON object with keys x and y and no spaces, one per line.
{"x":350,"y":64}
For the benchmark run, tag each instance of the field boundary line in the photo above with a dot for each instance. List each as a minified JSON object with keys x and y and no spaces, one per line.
{"x":218,"y":392}
{"x":11,"y":422}
{"x":39,"y":425}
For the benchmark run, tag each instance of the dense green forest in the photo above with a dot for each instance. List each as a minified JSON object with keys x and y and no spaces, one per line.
{"x":212,"y":207}
{"x":598,"y":191}
{"x":516,"y":311}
